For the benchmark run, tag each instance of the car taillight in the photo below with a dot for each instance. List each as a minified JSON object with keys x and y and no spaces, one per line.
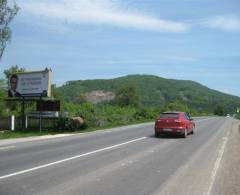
{"x":179,"y":122}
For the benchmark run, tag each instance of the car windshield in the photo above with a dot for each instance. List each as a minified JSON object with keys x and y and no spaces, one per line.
{"x":169,"y":115}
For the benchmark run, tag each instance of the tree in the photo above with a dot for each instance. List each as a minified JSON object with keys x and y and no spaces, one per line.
{"x":127,"y":96}
{"x":219,"y":110}
{"x":177,"y":106}
{"x":13,"y":69}
{"x":2,"y":96}
{"x":7,"y":13}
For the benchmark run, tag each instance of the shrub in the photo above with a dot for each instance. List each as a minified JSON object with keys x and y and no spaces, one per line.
{"x":127,"y":96}
{"x":63,"y":123}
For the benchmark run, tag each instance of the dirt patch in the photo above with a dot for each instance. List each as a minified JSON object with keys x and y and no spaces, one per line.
{"x":99,"y":96}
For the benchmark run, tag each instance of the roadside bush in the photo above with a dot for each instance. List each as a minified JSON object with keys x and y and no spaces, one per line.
{"x":177,"y":106}
{"x":144,"y":114}
{"x":62,"y":123}
{"x":219,"y":110}
{"x":103,"y":115}
{"x":69,"y":124}
{"x":237,"y":116}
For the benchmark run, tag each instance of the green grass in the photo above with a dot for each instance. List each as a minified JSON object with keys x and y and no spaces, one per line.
{"x":18,"y":134}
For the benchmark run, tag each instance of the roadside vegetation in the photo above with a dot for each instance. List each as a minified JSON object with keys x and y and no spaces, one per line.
{"x":7,"y":14}
{"x":237,"y":116}
{"x":129,"y":106}
{"x":130,"y":99}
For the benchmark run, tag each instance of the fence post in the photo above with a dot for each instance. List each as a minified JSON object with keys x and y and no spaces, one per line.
{"x":12,"y":123}
{"x":26,"y":121}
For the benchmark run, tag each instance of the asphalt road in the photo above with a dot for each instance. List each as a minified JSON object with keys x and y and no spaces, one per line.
{"x":128,"y":160}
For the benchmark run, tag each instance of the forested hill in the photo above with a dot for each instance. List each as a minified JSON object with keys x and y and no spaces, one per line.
{"x":153,"y":91}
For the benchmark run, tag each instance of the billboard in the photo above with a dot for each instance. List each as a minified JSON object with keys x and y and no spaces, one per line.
{"x":48,"y":105}
{"x":30,"y":84}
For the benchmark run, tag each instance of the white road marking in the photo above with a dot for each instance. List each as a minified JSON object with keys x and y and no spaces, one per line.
{"x":68,"y":159}
{"x":217,"y":163}
{"x":7,"y":147}
{"x":206,"y":119}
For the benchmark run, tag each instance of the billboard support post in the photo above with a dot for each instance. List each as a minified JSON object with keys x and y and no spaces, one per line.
{"x":40,"y":116}
{"x":23,"y":114}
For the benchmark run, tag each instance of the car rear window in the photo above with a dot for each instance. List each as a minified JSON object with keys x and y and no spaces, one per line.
{"x":169,"y":115}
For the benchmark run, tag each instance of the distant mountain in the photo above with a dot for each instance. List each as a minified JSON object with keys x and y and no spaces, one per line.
{"x":152,"y":91}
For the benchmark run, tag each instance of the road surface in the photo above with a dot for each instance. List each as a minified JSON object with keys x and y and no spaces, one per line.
{"x":121,"y":161}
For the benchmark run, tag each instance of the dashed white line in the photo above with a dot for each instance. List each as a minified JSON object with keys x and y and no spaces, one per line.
{"x":68,"y":159}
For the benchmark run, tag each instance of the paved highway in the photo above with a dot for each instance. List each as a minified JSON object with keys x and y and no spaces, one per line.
{"x":121,"y":161}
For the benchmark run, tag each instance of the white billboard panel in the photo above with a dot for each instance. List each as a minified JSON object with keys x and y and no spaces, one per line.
{"x":30,"y":84}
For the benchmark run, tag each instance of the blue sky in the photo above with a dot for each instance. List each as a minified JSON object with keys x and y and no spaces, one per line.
{"x":86,"y":39}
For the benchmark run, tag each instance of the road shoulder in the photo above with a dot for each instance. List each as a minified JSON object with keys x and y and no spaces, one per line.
{"x":228,"y":177}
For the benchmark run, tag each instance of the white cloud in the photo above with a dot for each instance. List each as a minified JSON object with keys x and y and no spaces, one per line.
{"x":225,"y":23}
{"x":104,"y":12}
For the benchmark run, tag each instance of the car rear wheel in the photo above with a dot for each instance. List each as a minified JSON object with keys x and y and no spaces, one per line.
{"x":185,"y":133}
{"x":193,"y":130}
{"x":157,"y":134}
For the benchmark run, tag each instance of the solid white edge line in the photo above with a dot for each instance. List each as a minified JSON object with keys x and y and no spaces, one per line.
{"x":68,"y":159}
{"x":7,"y":147}
{"x":217,"y":163}
{"x":206,"y":119}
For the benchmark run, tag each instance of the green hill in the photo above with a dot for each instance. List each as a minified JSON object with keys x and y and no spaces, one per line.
{"x":154,"y":91}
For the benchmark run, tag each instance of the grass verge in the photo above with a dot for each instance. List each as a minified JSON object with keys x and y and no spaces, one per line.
{"x":33,"y":133}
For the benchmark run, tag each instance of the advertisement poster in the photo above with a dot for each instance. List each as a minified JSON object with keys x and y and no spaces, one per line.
{"x":30,"y":84}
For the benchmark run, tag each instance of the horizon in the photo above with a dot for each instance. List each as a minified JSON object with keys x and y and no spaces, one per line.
{"x":104,"y":39}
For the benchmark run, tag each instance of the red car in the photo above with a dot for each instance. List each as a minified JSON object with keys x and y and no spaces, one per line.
{"x":179,"y":123}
